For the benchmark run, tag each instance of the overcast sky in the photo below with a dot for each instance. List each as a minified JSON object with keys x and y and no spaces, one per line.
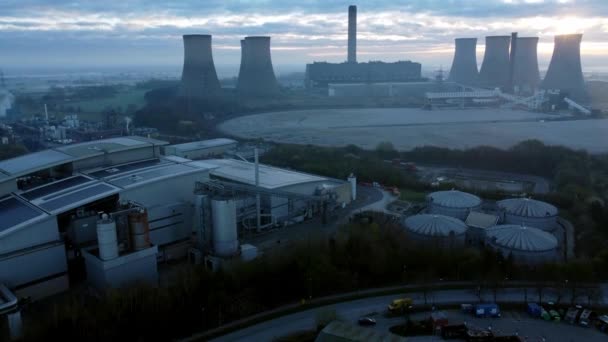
{"x":108,"y":33}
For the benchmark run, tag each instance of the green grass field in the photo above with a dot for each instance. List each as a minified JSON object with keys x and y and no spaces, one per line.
{"x":412,"y":196}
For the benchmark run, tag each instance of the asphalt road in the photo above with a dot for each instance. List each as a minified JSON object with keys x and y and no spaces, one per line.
{"x":376,"y":306}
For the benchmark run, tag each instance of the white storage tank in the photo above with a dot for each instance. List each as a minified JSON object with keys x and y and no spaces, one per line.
{"x":352,"y":180}
{"x":445,"y":231}
{"x":225,"y":237}
{"x":525,"y":244}
{"x":106,"y":238}
{"x":452,"y":203}
{"x":529,"y":212}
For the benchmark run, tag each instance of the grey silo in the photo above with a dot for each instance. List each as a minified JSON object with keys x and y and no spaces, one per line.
{"x":199,"y":78}
{"x":494,"y":72}
{"x":464,"y":65}
{"x":526,"y":76}
{"x":565,"y":72}
{"x":352,"y":34}
{"x":256,"y":77}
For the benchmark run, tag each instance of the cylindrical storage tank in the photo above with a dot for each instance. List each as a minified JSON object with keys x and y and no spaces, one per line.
{"x":464,"y":65}
{"x":494,"y":71}
{"x":139,"y":230}
{"x":225,"y":238}
{"x":452,"y":203}
{"x":529,"y":212}
{"x":106,"y":238}
{"x":353,"y":186}
{"x":524,"y":244}
{"x":443,"y":230}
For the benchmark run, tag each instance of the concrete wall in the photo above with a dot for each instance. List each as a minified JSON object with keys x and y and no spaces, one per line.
{"x":134,"y":267}
{"x":438,"y":241}
{"x":170,"y":223}
{"x":526,"y":257}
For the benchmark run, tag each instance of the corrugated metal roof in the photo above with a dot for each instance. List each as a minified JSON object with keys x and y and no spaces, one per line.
{"x":270,"y":177}
{"x":435,"y":225}
{"x":522,"y":238}
{"x":14,"y":213}
{"x":454,"y":199}
{"x":527,"y":207}
{"x":33,"y":162}
{"x":203,"y":144}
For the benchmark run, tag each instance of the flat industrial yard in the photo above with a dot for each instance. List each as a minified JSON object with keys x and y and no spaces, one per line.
{"x":407,"y":128}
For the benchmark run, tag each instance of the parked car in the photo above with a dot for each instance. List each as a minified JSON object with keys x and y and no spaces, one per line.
{"x":573,"y":314}
{"x":555,"y":316}
{"x":487,"y":310}
{"x":400,"y":305}
{"x":366,"y":321}
{"x":587,"y":316}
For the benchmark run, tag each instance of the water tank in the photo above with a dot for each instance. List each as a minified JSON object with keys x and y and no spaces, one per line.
{"x":524,"y":244}
{"x":139,"y":230}
{"x":352,"y":179}
{"x":453,"y":203}
{"x":225,"y":239}
{"x":444,"y":230}
{"x":529,"y":212}
{"x":106,"y":238}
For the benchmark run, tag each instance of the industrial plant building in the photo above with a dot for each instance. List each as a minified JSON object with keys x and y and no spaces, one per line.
{"x":107,"y":211}
{"x":321,"y":74}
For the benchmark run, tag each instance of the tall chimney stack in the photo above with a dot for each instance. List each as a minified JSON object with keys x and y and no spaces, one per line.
{"x":256,"y":76}
{"x":199,"y":78}
{"x":352,"y":34}
{"x":464,"y":65}
{"x":565,"y":72}
{"x":494,"y":72}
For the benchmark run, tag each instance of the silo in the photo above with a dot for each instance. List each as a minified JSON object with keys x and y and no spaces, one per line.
{"x":529,"y":212}
{"x":199,"y":79}
{"x":139,"y":230}
{"x":452,"y":203}
{"x":526,"y":76}
{"x":494,"y":72}
{"x":106,"y":238}
{"x":224,"y":236}
{"x":443,"y":230}
{"x":464,"y":65}
{"x":565,"y":72}
{"x":524,"y":244}
{"x":256,"y":76}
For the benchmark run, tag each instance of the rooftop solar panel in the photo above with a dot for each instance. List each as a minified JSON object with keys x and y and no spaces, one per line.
{"x":69,"y":199}
{"x":54,"y":187}
{"x":13,"y":212}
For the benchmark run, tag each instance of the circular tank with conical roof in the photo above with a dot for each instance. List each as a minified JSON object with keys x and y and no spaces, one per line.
{"x":529,"y":212}
{"x":525,"y":244}
{"x":452,"y":203}
{"x":441,"y":229}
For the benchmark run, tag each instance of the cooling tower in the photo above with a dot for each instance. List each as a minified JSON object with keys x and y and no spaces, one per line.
{"x":464,"y":65}
{"x":494,"y":72}
{"x":526,"y":77}
{"x":199,"y":78}
{"x":256,"y":77}
{"x":352,"y":34}
{"x":565,"y":72}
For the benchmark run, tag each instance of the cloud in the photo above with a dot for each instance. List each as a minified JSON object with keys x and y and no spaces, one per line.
{"x":149,"y":32}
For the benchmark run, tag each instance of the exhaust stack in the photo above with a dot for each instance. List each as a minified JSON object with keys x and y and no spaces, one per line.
{"x":495,"y":67}
{"x":565,"y":72}
{"x":464,"y":65}
{"x":199,"y":79}
{"x":352,"y":34}
{"x":256,"y":76}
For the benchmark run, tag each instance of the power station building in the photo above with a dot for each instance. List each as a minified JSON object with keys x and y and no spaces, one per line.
{"x":107,"y":211}
{"x":321,"y":74}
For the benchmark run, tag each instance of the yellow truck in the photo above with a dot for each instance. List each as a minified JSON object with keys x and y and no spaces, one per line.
{"x":400,"y":305}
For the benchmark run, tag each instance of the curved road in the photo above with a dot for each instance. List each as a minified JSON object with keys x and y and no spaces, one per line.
{"x":351,"y":311}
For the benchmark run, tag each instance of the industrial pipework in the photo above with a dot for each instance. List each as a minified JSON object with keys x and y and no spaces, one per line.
{"x":565,"y":72}
{"x":464,"y":65}
{"x":199,"y":78}
{"x":494,"y":72}
{"x":256,"y":77}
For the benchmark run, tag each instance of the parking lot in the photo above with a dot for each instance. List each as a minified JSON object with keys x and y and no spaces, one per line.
{"x":512,"y":322}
